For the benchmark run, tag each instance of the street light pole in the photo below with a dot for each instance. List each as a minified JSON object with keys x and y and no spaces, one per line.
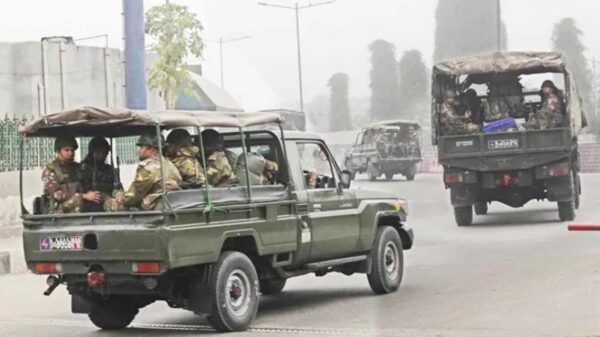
{"x":220,"y":41}
{"x":297,"y":9}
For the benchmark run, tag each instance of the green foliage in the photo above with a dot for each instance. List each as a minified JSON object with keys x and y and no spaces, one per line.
{"x":466,"y":27}
{"x":384,"y":80}
{"x":566,"y":38}
{"x":176,"y":35}
{"x":414,"y":86}
{"x":339,"y":110}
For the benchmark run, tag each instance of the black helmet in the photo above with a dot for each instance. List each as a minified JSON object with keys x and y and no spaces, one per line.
{"x":450,"y":93}
{"x":64,"y":141}
{"x":98,"y":142}
{"x":548,"y":83}
{"x":211,"y":138}
{"x":179,"y":137}
{"x":149,"y":139}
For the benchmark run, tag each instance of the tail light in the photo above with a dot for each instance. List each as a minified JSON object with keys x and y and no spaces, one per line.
{"x":560,"y":172}
{"x":453,"y":178}
{"x":146,"y":268}
{"x":507,"y":180}
{"x":47,"y":268}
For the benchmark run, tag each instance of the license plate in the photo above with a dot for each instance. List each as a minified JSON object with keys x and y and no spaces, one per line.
{"x":503,"y":144}
{"x":61,"y":243}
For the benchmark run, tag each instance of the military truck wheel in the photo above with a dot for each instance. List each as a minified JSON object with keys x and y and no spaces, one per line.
{"x":389,"y":175}
{"x":352,"y":175}
{"x":463,"y":215}
{"x":481,"y":208}
{"x":410,"y":176}
{"x":387,"y":261}
{"x":233,"y":290}
{"x":272,"y":286}
{"x":371,"y":176}
{"x":566,"y":210}
{"x":112,"y":314}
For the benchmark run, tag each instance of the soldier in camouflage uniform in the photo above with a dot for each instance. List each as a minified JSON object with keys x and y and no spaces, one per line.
{"x":97,"y":175}
{"x":451,"y":123}
{"x":184,"y":156}
{"x":145,"y":191}
{"x":219,"y":171}
{"x":63,"y":192}
{"x":550,"y":114}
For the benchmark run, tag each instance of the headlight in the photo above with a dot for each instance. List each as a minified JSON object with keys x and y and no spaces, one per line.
{"x":401,"y":204}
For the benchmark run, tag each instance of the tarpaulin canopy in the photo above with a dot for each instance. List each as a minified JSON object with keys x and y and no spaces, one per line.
{"x":500,"y":62}
{"x":398,"y":122}
{"x":91,"y":121}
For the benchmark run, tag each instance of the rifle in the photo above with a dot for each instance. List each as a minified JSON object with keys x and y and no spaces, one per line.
{"x":117,"y":176}
{"x":94,"y":175}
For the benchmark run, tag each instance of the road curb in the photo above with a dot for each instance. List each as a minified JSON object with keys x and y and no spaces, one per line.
{"x":4,"y":263}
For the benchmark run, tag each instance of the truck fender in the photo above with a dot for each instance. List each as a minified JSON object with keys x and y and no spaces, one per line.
{"x":394,"y":219}
{"x":246,"y":241}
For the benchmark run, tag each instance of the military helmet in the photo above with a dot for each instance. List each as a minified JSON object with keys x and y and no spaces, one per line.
{"x":179,"y":137}
{"x":64,"y":141}
{"x":148,"y":139}
{"x":450,"y":93}
{"x":548,"y":83}
{"x":98,"y":142}
{"x":211,"y":138}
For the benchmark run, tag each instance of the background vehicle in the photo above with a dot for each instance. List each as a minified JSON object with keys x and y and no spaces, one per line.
{"x":386,"y":148}
{"x":519,"y":165}
{"x":214,"y":250}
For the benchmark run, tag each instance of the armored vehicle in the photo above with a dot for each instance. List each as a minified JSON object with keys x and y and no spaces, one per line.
{"x":386,"y":148}
{"x":214,"y":250}
{"x":518,"y":142}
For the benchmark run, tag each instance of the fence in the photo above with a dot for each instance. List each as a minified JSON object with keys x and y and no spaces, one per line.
{"x":37,"y":152}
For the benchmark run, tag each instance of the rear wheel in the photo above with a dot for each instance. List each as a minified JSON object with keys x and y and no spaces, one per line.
{"x":352,"y":175}
{"x":372,"y":177}
{"x":463,"y":215}
{"x":481,"y":208}
{"x":272,"y":286}
{"x":233,"y":288}
{"x":410,"y":176}
{"x":566,"y":210}
{"x":112,"y":313}
{"x":387,"y":261}
{"x":389,"y":175}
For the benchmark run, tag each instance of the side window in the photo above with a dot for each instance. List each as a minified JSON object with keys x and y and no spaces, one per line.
{"x":316,"y":166}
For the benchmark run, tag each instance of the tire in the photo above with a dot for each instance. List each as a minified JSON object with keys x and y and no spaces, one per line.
{"x":112,"y":314}
{"x":233,"y":291}
{"x":389,"y":176}
{"x":387,"y":261}
{"x":463,"y":215}
{"x":272,"y":286}
{"x":371,"y":176}
{"x":566,"y":210}
{"x":577,"y":181}
{"x":481,"y":208}
{"x":352,"y":175}
{"x":410,"y":176}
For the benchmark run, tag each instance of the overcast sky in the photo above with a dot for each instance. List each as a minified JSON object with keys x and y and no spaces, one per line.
{"x":261,"y":72}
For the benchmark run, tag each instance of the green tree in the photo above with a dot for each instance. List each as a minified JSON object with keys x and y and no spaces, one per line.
{"x":414,"y":84}
{"x":339,"y":110}
{"x":466,"y":27}
{"x":176,"y":35}
{"x":566,"y":38}
{"x":384,"y":80}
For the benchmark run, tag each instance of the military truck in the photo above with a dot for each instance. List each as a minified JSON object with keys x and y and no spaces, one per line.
{"x":514,"y":163}
{"x":386,"y":148}
{"x":214,"y":250}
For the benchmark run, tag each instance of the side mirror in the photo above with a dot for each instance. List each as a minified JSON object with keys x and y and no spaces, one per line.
{"x":346,"y":178}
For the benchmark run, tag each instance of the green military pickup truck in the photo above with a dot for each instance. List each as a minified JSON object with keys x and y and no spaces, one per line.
{"x":214,"y":250}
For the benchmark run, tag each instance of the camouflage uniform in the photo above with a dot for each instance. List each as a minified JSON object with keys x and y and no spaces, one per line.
{"x":146,"y":188}
{"x":549,"y":116}
{"x":453,"y":124}
{"x":186,"y":161}
{"x":219,"y":172}
{"x":104,"y":182}
{"x":62,"y":187}
{"x":270,"y":173}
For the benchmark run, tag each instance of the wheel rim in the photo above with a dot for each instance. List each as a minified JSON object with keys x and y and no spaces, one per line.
{"x":237,"y":292}
{"x":391,"y":261}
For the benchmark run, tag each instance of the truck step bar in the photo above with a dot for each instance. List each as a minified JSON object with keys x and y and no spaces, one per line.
{"x":335,"y":262}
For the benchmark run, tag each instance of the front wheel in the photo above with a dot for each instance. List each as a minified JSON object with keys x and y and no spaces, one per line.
{"x":112,"y":313}
{"x":233,"y":288}
{"x":387,"y":261}
{"x":463,"y":215}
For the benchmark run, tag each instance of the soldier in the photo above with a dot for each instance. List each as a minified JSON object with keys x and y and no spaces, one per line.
{"x":62,"y":180}
{"x":219,"y":171}
{"x":145,"y":190}
{"x":451,"y":123}
{"x":96,"y":175}
{"x":550,"y":114}
{"x":184,"y":156}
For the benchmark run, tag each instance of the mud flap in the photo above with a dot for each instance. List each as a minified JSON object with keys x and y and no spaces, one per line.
{"x":80,"y":304}
{"x":560,"y":189}
{"x":463,"y":195}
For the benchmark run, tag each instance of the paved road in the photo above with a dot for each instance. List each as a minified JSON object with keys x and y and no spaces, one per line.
{"x":513,"y":273}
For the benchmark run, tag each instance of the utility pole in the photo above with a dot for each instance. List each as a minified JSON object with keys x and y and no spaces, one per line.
{"x":296,"y":9}
{"x":498,"y":26}
{"x":220,"y":41}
